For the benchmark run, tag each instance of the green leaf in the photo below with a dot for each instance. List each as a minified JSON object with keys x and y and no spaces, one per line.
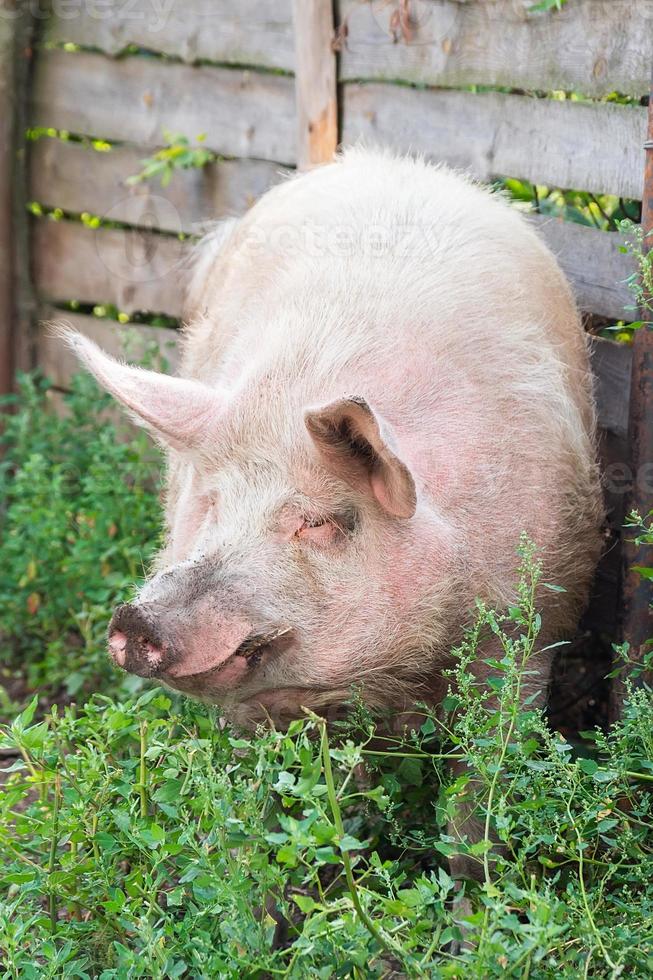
{"x":288,"y":856}
{"x":604,"y":775}
{"x":169,"y":792}
{"x":154,"y":835}
{"x":410,"y":771}
{"x":411,"y":897}
{"x":588,"y":766}
{"x":305,"y":903}
{"x":285,"y":782}
{"x":427,"y":727}
{"x":24,"y":719}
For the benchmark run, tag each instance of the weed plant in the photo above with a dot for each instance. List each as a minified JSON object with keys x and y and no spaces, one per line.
{"x":79,"y":519}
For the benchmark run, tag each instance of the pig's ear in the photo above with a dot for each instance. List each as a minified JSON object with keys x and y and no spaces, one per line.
{"x":179,"y":412}
{"x":357,"y":445}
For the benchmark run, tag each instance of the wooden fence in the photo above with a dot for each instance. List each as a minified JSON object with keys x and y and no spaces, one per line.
{"x":276,"y":84}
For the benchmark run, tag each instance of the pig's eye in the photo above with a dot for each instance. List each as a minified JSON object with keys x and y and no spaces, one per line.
{"x":313,"y":522}
{"x":318,"y":530}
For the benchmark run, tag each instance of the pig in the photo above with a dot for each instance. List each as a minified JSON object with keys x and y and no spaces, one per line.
{"x":384,"y":382}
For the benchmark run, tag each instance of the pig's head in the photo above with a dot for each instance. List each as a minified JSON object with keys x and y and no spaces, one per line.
{"x":299,"y":558}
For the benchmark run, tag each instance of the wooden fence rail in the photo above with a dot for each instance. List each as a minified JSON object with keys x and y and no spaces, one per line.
{"x":590,"y":46}
{"x":242,"y":113}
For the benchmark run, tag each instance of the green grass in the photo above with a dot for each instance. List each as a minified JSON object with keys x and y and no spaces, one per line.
{"x":141,"y":838}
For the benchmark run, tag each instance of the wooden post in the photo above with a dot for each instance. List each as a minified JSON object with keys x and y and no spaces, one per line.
{"x":15,"y":33}
{"x":7,"y":36}
{"x":315,"y":82}
{"x":637,"y":592}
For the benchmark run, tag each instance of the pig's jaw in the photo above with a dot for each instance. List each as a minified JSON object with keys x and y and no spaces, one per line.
{"x":256,"y":699}
{"x":266,"y":686}
{"x":283,"y":705}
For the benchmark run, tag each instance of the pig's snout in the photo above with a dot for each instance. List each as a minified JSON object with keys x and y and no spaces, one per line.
{"x":147,"y":640}
{"x":135,"y":642}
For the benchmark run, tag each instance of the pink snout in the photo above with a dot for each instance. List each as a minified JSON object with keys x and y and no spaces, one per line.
{"x":142,"y":643}
{"x":136,"y":642}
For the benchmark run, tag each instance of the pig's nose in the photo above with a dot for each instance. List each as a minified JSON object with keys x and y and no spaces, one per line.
{"x":135,"y":642}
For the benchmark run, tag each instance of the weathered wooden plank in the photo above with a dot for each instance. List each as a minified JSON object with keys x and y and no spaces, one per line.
{"x":611,"y":367}
{"x":250,"y":32}
{"x":593,"y":263}
{"x":7,"y":151}
{"x":137,"y":271}
{"x":637,"y":594}
{"x":565,"y":144}
{"x":590,"y":46}
{"x":16,"y":351}
{"x":70,"y":176}
{"x":315,"y":82}
{"x":242,"y":113}
{"x":129,"y":341}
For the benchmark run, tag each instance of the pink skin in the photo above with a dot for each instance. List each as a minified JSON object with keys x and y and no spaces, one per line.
{"x":205,"y":652}
{"x":289,"y":526}
{"x":154,"y":655}
{"x":191,"y":511}
{"x":118,"y":647}
{"x":180,"y":411}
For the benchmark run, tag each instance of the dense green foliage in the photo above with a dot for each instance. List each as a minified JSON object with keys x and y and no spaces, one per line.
{"x":79,"y":516}
{"x":141,"y":838}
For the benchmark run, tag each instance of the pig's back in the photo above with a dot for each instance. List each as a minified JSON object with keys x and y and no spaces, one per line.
{"x":398,"y":249}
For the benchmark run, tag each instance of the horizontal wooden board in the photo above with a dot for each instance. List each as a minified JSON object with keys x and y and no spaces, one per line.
{"x":242,"y":113}
{"x":250,"y":32}
{"x":137,"y":271}
{"x":590,"y":46}
{"x":77,"y":179}
{"x":563,"y":144}
{"x":130,"y":341}
{"x":72,"y":177}
{"x":593,"y":263}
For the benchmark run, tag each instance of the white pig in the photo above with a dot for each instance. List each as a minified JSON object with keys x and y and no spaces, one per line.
{"x":384,"y":382}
